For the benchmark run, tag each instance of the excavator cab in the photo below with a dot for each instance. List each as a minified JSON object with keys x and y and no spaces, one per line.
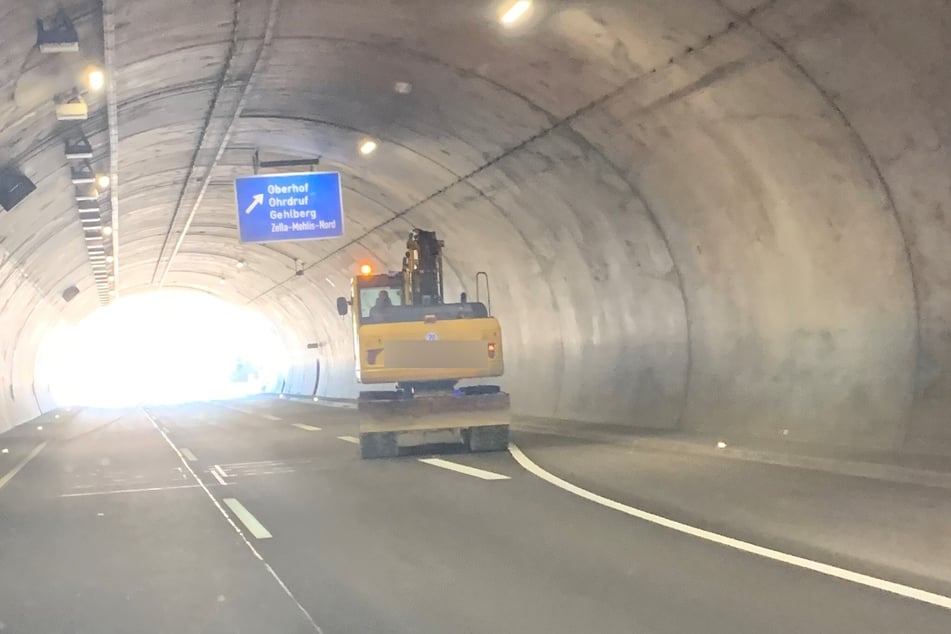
{"x":406,"y":334}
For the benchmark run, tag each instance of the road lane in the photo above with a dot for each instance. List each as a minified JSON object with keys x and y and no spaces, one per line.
{"x":396,"y":546}
{"x":376,"y":546}
{"x":118,"y":561}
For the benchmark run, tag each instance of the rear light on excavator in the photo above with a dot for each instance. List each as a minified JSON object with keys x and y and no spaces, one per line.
{"x":491,"y":350}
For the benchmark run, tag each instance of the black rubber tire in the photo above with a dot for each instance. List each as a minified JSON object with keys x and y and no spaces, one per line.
{"x":472,"y":390}
{"x":381,"y":396}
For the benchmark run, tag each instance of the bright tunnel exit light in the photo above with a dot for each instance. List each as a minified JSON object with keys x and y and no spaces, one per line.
{"x":515,"y":12}
{"x":163,"y":347}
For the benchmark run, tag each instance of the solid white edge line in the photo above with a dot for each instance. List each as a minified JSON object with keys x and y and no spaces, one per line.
{"x":350,"y":439}
{"x":826,"y":569}
{"x":250,"y":522}
{"x":461,"y":468}
{"x":218,"y":477}
{"x":188,"y":454}
{"x":15,"y":470}
{"x":305,"y":427}
{"x":247,"y":542}
{"x":117,"y":492}
{"x":336,"y":404}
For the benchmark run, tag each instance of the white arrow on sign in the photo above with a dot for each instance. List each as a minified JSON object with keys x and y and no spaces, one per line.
{"x":257,"y":200}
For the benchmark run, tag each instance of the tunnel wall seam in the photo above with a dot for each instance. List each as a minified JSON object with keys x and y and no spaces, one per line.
{"x":206,"y":124}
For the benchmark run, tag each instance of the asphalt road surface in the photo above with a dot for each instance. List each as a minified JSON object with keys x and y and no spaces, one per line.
{"x":205,"y":518}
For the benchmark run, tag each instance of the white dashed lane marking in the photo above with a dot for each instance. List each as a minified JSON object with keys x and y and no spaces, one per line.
{"x":461,"y":468}
{"x":123,"y":491}
{"x":220,"y":480}
{"x":250,"y":522}
{"x":15,"y":470}
{"x":305,"y":427}
{"x":350,"y":439}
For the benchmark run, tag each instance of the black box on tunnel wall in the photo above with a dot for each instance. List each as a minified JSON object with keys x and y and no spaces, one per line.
{"x":14,"y":187}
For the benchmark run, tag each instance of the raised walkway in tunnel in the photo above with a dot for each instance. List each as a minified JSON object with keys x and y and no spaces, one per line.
{"x":259,"y":515}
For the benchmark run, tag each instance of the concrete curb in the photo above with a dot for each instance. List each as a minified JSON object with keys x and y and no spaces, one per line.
{"x":873,"y":470}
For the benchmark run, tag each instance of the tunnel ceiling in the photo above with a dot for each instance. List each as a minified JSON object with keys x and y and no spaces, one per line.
{"x":719,"y":199}
{"x":201,"y":86}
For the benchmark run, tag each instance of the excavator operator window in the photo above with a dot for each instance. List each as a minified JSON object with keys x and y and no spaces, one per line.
{"x":375,"y":301}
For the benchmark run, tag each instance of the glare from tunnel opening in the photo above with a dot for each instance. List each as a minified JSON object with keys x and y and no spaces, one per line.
{"x":163,"y":347}
{"x":515,"y":12}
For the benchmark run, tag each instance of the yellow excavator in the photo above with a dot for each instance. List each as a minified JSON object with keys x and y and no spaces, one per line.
{"x":405,"y":333}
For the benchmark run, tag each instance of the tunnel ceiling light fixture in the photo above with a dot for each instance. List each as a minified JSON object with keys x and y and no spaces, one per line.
{"x":109,"y":259}
{"x":103,"y":181}
{"x":95,"y":79}
{"x":368,"y":147}
{"x":78,"y":149}
{"x":366,"y":269}
{"x":107,"y":230}
{"x":73,"y":110}
{"x":82,"y":174}
{"x":87,"y":192}
{"x":515,"y":12}
{"x":403,"y":87}
{"x":59,"y":37}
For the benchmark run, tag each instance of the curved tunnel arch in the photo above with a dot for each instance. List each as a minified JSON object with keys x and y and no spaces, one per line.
{"x":711,"y":214}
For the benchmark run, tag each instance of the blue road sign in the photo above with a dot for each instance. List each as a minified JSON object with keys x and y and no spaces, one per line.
{"x":276,"y":207}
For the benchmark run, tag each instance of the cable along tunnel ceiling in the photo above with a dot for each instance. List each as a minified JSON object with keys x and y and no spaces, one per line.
{"x":729,"y":216}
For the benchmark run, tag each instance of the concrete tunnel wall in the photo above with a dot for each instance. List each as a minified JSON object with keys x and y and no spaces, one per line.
{"x":739,"y":227}
{"x":770,"y":291}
